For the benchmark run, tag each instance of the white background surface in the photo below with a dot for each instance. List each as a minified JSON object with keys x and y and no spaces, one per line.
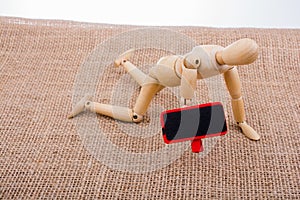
{"x":211,"y":13}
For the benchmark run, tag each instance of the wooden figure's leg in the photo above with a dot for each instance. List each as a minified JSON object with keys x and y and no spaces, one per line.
{"x":121,"y":113}
{"x":234,"y":87}
{"x":150,"y":87}
{"x":126,"y":114}
{"x":115,"y":112}
{"x":136,"y":73}
{"x":146,"y":95}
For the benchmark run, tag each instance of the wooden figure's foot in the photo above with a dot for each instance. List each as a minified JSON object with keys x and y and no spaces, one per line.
{"x":123,"y":57}
{"x":248,"y":131}
{"x":135,"y":73}
{"x":79,"y":107}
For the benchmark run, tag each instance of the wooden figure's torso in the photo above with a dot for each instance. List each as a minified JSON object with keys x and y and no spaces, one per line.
{"x":168,"y":69}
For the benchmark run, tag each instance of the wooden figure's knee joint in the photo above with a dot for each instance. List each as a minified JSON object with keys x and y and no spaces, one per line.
{"x":136,"y":117}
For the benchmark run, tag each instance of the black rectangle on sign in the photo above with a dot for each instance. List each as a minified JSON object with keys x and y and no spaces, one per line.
{"x":195,"y":122}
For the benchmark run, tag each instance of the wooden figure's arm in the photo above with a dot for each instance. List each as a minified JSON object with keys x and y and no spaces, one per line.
{"x":233,"y":84}
{"x":241,"y":52}
{"x":188,"y":83}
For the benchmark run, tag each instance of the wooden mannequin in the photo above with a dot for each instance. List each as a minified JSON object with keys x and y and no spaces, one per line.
{"x":202,"y":62}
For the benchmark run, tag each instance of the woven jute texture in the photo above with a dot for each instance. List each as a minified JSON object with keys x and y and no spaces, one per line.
{"x":44,"y":155}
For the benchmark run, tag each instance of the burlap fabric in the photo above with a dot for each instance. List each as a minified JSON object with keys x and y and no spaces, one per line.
{"x":43,"y":156}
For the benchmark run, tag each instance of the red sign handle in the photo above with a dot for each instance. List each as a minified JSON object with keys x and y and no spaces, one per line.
{"x":196,"y":146}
